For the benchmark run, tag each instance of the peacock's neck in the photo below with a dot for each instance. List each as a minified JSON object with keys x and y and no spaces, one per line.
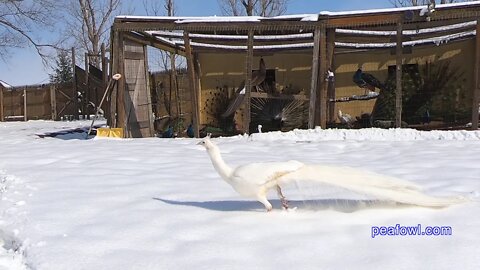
{"x":219,"y":164}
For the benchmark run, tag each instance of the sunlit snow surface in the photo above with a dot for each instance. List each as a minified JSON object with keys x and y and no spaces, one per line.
{"x":71,"y":203}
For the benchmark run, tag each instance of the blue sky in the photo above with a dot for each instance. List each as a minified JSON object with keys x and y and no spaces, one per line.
{"x":25,"y":67}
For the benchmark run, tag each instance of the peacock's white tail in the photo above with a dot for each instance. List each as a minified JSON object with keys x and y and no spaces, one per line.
{"x":370,"y":183}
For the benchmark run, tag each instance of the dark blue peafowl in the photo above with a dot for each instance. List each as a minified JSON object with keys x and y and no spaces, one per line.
{"x":367,"y":81}
{"x":168,"y":133}
{"x":190,"y":132}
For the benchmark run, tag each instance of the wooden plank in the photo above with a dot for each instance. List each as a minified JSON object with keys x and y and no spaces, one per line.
{"x":148,"y":95}
{"x":314,"y":81}
{"x":53,"y":102}
{"x":248,"y":82}
{"x":476,"y":80}
{"x":399,"y":63}
{"x":25,"y":118}
{"x":75,"y":90}
{"x":2,"y":114}
{"x":192,"y":84}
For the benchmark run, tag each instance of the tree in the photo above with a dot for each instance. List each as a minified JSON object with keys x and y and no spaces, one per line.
{"x":265,"y":8}
{"x":63,"y":72}
{"x":89,"y":22}
{"x":18,"y":21}
{"x":404,"y":3}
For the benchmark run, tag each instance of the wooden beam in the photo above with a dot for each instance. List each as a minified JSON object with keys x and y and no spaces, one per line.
{"x":248,"y":82}
{"x":25,"y":118}
{"x":323,"y":84}
{"x":53,"y":102}
{"x":314,"y":81}
{"x":399,"y":63}
{"x":192,"y":84}
{"x":476,"y":80}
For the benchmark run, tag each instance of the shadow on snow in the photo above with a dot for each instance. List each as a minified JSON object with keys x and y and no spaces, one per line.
{"x":340,"y":205}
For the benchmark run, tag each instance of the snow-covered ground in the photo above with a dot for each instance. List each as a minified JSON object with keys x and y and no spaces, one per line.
{"x":71,"y":203}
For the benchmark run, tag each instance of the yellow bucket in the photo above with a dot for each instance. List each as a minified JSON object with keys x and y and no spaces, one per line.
{"x":110,"y":132}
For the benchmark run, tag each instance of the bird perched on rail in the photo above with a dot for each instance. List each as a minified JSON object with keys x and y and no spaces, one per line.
{"x":367,"y":81}
{"x":255,"y":180}
{"x":258,"y":76}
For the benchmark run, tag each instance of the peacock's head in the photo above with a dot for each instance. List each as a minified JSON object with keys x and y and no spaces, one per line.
{"x":206,"y":142}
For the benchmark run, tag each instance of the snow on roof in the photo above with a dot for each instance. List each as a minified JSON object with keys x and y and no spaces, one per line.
{"x":4,"y":84}
{"x":301,"y":17}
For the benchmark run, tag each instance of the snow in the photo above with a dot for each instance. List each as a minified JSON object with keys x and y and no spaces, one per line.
{"x":71,"y":203}
{"x":5,"y":85}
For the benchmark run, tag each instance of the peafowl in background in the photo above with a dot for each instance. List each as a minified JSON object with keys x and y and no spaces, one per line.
{"x":190,"y":132}
{"x":367,"y":81}
{"x":168,"y":133}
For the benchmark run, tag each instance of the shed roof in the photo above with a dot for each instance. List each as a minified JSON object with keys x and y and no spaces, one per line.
{"x":361,"y":29}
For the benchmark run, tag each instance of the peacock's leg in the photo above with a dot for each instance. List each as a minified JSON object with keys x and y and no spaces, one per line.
{"x":264,"y":201}
{"x":282,"y":198}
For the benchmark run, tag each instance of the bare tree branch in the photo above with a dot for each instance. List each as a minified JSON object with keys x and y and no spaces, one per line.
{"x":265,"y":8}
{"x":19,"y":20}
{"x":88,"y":24}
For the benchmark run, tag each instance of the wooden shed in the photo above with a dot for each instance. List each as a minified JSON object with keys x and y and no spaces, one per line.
{"x":309,"y":60}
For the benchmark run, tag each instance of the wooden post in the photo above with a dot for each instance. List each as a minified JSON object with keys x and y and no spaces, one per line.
{"x":331,"y":81}
{"x":192,"y":84}
{"x":173,"y":83}
{"x":399,"y":63}
{"x":2,"y":116}
{"x":86,"y":92}
{"x":314,"y":82}
{"x":323,"y":84}
{"x":53,"y":102}
{"x":115,"y":43}
{"x":75,"y":90}
{"x":25,"y":118}
{"x":196,"y":68}
{"x":122,"y":110}
{"x":248,"y":82}
{"x":476,"y":80}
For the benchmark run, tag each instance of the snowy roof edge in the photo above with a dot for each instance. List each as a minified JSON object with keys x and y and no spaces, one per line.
{"x":301,"y":17}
